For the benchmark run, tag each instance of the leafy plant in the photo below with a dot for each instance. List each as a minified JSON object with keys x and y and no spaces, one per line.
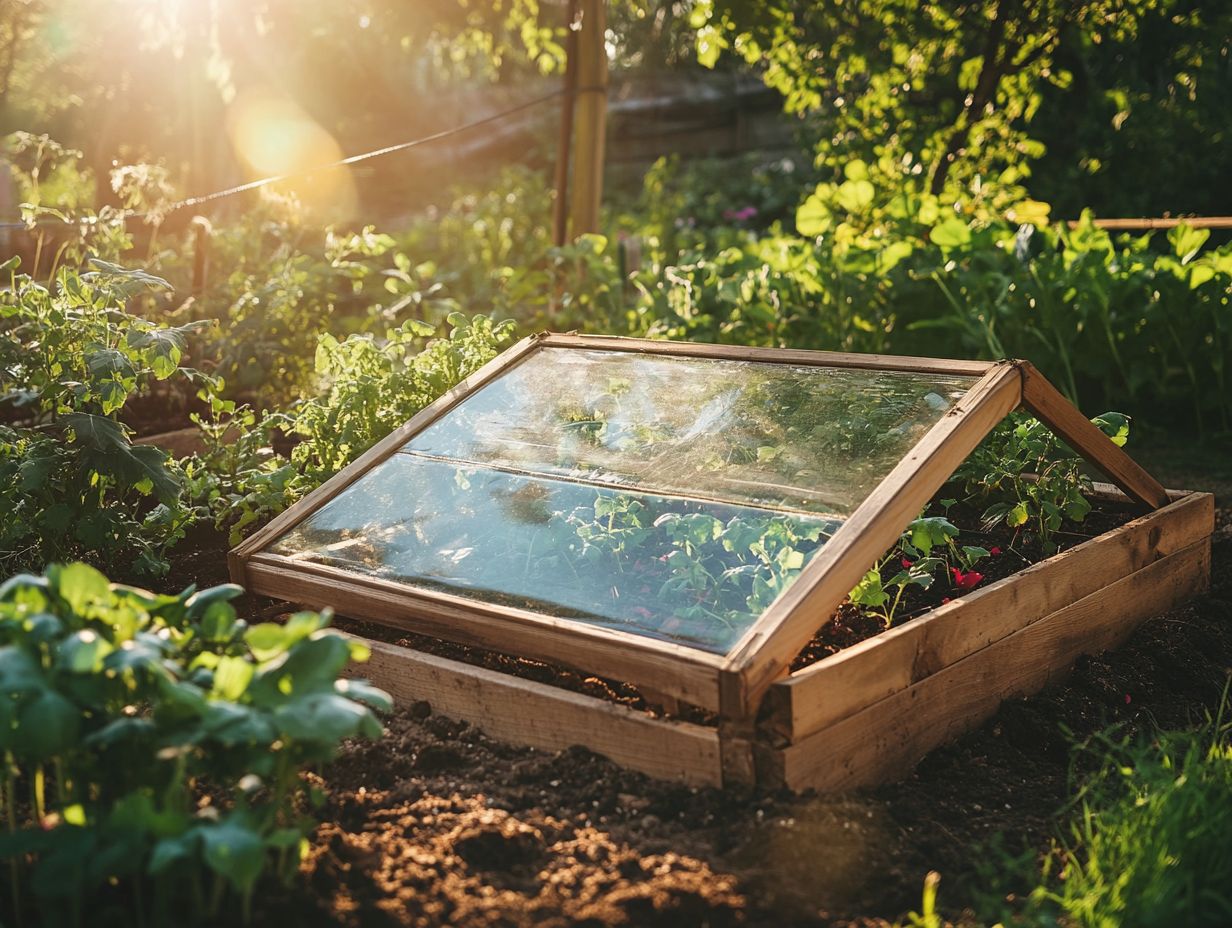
{"x":152,"y":746}
{"x":369,"y":387}
{"x":72,"y":484}
{"x":929,"y":544}
{"x":1029,"y":479}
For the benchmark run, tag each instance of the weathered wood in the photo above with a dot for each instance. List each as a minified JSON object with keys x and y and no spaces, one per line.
{"x":387,"y":446}
{"x":590,"y":114}
{"x":1070,"y":425}
{"x":526,"y":712}
{"x":686,"y":673}
{"x":886,"y":739}
{"x":772,"y":355}
{"x":766,"y":651}
{"x":844,"y":683}
{"x":560,"y":208}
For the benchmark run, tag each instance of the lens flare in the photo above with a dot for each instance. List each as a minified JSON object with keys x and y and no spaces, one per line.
{"x":272,"y":135}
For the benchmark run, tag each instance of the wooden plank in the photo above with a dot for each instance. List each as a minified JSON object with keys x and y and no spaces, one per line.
{"x":387,"y":446}
{"x":885,"y":740}
{"x":772,"y":355}
{"x":845,"y":683}
{"x":180,"y":443}
{"x":686,"y":673}
{"x":766,"y":651}
{"x":530,"y":713}
{"x":1070,"y":425}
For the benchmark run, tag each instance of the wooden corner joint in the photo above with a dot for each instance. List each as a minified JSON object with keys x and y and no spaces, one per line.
{"x":1047,"y":403}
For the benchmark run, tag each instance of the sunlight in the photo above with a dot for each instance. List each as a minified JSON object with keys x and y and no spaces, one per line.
{"x":273,"y":135}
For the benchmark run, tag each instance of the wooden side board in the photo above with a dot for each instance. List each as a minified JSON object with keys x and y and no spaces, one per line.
{"x":684,"y":673}
{"x":841,"y":685}
{"x":530,"y":713}
{"x":884,"y":362}
{"x":883,"y":741}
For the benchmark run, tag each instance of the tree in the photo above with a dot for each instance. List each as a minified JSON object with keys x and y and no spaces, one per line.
{"x":935,"y":96}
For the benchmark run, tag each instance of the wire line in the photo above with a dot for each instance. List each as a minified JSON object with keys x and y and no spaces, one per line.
{"x":277,"y":178}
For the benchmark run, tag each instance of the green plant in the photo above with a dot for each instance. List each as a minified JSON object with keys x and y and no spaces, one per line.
{"x":1146,"y":842}
{"x":929,"y":544}
{"x":1029,"y":479}
{"x":152,"y":746}
{"x":369,"y":387}
{"x":72,"y":484}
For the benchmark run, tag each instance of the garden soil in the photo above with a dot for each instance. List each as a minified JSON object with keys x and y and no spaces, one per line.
{"x":438,"y":824}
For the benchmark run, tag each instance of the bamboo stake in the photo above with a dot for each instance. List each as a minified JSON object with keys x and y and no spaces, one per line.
{"x":591,"y":116}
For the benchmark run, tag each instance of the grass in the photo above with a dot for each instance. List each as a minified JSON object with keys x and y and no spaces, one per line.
{"x":1150,"y":839}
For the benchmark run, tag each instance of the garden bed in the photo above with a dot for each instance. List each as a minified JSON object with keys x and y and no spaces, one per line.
{"x":869,"y":711}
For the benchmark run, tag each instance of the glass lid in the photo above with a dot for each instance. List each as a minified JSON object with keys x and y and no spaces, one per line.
{"x":665,"y":496}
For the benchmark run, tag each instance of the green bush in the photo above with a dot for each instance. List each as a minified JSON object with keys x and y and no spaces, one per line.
{"x":72,"y":484}
{"x":153,"y":746}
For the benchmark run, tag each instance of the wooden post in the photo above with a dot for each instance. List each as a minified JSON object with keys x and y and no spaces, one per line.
{"x":591,"y":118}
{"x":560,"y":209}
{"x":201,"y":253}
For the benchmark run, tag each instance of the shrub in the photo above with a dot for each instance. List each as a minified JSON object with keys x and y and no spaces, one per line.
{"x":72,"y":484}
{"x":153,"y":745}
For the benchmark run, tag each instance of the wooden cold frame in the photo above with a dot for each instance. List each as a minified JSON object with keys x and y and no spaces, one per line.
{"x":869,"y":712}
{"x":734,"y":685}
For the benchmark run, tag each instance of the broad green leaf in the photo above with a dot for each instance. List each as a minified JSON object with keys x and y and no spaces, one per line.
{"x":813,"y":217}
{"x":855,"y":196}
{"x":81,"y":586}
{"x":952,"y":233}
{"x":106,"y":449}
{"x":235,"y":850}
{"x":1017,"y":516}
{"x":46,"y":726}
{"x":325,"y":718}
{"x":1187,"y":241}
{"x":231,"y":677}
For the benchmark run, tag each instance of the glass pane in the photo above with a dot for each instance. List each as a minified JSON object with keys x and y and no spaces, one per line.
{"x":691,"y":572}
{"x":669,"y":497}
{"x":776,"y":435}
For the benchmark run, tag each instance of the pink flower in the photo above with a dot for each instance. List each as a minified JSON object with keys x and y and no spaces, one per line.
{"x":966,"y":581}
{"x":907,"y":563}
{"x":740,"y":215}
{"x":642,"y":611}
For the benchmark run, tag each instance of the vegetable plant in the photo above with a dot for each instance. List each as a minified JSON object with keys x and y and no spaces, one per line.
{"x":152,"y":747}
{"x":1029,"y":479}
{"x":930,"y":544}
{"x":72,"y":483}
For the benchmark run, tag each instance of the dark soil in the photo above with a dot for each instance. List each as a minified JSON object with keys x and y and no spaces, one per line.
{"x":439,"y":825}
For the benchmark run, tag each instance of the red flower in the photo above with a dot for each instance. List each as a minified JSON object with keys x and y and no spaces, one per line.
{"x":944,"y":600}
{"x":966,"y":581}
{"x":994,"y":551}
{"x":907,"y":563}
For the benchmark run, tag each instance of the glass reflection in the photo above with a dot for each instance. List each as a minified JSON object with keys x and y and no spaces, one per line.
{"x":776,"y":435}
{"x":687,"y":571}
